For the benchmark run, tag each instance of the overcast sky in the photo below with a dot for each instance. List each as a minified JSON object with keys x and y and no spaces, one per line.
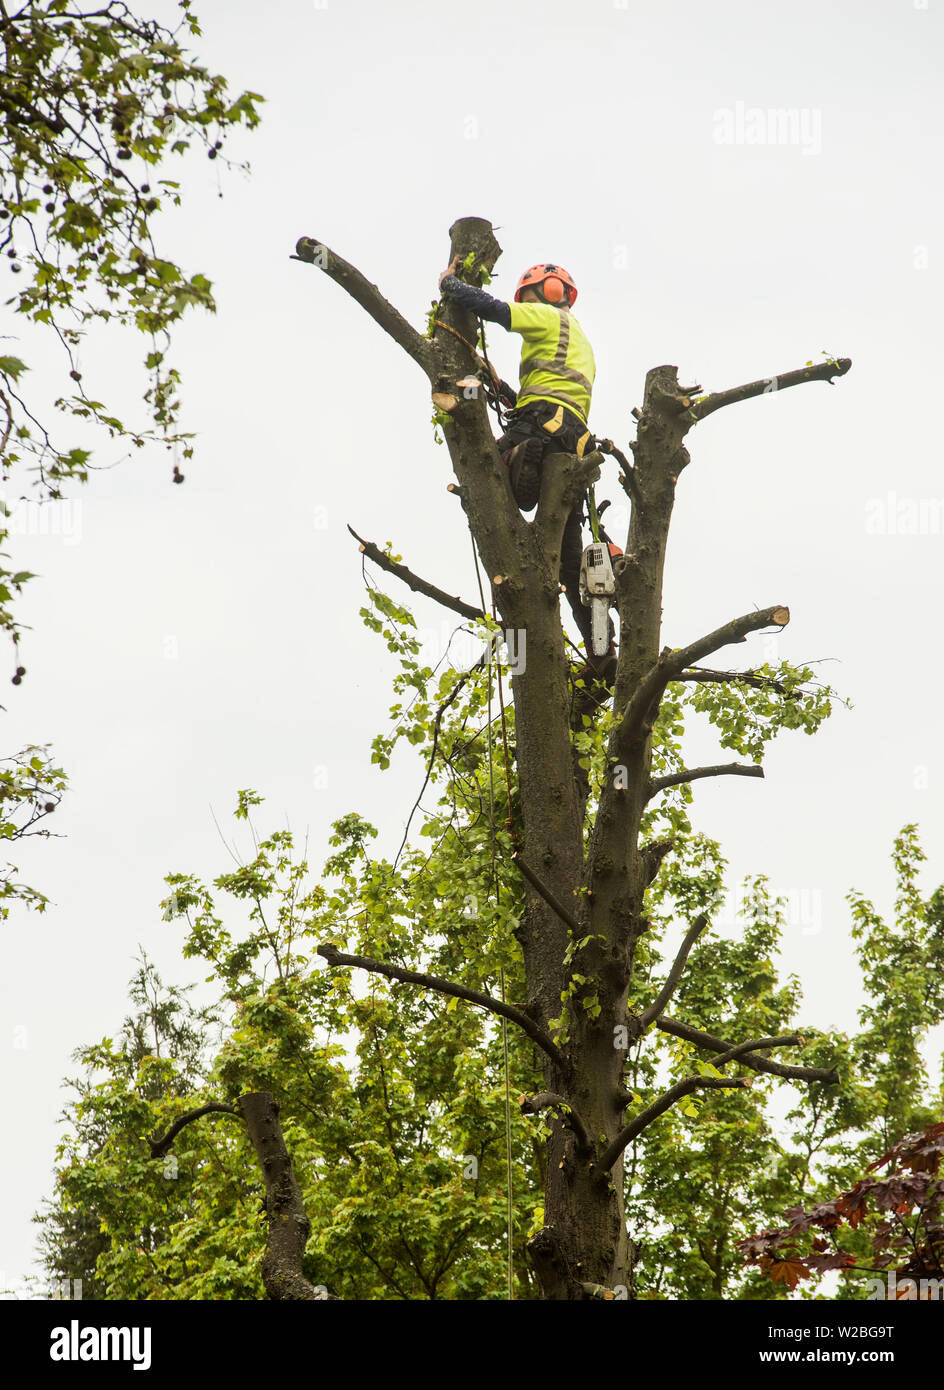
{"x":189,"y":641}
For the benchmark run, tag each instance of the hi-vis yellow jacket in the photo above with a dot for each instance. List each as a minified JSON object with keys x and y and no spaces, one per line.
{"x":556,"y":358}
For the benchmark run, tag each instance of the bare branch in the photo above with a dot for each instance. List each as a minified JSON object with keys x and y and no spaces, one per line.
{"x":821,"y":371}
{"x":735,"y":631}
{"x":9,"y":424}
{"x":641,"y":1022}
{"x":543,"y":891}
{"x":413,"y":581}
{"x":695,"y":774}
{"x":627,"y":477}
{"x":672,"y":662}
{"x":658,"y":1107}
{"x":159,"y":1146}
{"x":758,"y":1045}
{"x":752,"y":678}
{"x":749,"y":1059}
{"x":570,"y":1118}
{"x":486,"y":1001}
{"x":368,"y":297}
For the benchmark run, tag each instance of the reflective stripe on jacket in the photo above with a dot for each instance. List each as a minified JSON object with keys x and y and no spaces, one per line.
{"x":556,"y":360}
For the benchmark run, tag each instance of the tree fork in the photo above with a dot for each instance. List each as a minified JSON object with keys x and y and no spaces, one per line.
{"x":287,"y":1223}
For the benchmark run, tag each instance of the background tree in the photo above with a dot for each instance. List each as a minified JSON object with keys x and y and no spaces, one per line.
{"x":96,"y":106}
{"x":890,"y":1224}
{"x":393,"y":1103}
{"x":31,"y":787}
{"x":400,"y":1149}
{"x":887,"y":1114}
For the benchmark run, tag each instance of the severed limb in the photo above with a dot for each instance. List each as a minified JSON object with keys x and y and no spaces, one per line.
{"x":829,"y":1076}
{"x":474,"y":996}
{"x":675,"y":779}
{"x":821,"y":371}
{"x":413,"y":581}
{"x":658,"y":1107}
{"x":369,"y":298}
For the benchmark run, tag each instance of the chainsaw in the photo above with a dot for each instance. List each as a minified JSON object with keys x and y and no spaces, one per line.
{"x":597,"y":589}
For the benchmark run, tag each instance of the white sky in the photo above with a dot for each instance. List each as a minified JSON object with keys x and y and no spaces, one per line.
{"x":188,"y":641}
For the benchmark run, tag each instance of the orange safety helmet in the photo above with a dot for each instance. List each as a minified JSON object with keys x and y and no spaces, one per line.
{"x":552,"y":281}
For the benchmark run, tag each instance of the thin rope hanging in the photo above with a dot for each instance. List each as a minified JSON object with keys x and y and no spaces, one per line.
{"x":496,"y":888}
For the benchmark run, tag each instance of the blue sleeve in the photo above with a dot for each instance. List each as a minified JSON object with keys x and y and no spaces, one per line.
{"x":494,"y":310}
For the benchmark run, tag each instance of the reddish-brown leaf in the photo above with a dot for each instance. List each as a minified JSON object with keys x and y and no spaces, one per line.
{"x":788,"y":1272}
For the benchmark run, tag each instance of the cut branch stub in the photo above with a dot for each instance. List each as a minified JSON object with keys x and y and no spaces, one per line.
{"x":368,"y":296}
{"x":475,"y":234}
{"x":696,"y":774}
{"x":819,"y":371}
{"x":413,"y":581}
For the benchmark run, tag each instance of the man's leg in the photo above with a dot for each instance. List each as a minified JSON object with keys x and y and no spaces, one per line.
{"x":522,"y":449}
{"x":524,"y":466}
{"x":571,"y":555}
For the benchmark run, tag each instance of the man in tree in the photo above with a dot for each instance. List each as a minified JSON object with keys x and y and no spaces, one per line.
{"x":550,"y":416}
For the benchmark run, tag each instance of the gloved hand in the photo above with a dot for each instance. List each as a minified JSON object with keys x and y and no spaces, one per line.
{"x":454,"y":265}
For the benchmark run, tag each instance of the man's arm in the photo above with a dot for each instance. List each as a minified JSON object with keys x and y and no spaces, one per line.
{"x":482,"y":304}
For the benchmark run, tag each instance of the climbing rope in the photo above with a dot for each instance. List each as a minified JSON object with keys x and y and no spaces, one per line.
{"x":593,"y":514}
{"x":494,"y":400}
{"x":492,"y":389}
{"x":496,"y":886}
